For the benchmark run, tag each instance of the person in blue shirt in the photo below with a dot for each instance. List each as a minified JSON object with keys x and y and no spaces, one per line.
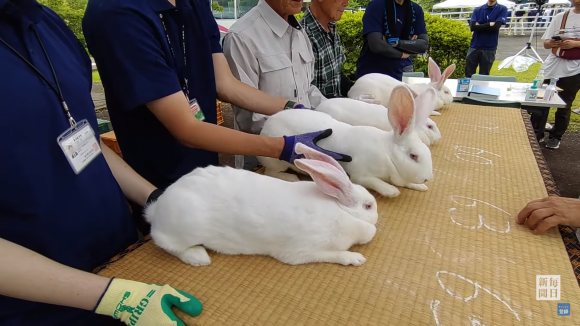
{"x":392,"y":30}
{"x":63,"y":211}
{"x":162,"y":68}
{"x":485,"y":24}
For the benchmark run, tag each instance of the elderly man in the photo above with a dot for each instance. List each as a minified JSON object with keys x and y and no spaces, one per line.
{"x":269,"y":50}
{"x":319,"y":22}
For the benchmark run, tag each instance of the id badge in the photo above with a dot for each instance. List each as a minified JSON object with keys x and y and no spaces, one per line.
{"x":79,"y":145}
{"x":196,"y":110}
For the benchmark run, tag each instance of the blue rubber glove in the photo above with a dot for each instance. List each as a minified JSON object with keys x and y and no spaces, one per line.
{"x":310,"y":140}
{"x":300,"y":106}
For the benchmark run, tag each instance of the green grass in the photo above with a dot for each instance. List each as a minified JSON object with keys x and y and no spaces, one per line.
{"x":96,"y":77}
{"x":528,"y":77}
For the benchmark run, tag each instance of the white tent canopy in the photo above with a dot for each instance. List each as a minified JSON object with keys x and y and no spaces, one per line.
{"x":471,"y":4}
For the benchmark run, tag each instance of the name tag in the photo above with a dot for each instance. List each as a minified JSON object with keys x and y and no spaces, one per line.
{"x":196,"y":110}
{"x":79,"y":145}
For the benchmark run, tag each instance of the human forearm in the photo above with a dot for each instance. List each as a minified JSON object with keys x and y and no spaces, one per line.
{"x":229,"y":141}
{"x":233,"y":91}
{"x":379,"y":46}
{"x":133,"y":185}
{"x":173,"y":112}
{"x":417,"y":46}
{"x":27,"y":275}
{"x":475,"y":27}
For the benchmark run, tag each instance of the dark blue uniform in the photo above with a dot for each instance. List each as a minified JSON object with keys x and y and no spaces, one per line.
{"x":374,"y":21}
{"x":138,"y":64}
{"x":77,"y":220}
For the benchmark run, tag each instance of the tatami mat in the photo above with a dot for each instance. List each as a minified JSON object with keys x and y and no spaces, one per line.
{"x":450,"y":256}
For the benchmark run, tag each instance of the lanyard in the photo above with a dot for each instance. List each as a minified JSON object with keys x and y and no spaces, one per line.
{"x":56,"y":90}
{"x":183,"y":71}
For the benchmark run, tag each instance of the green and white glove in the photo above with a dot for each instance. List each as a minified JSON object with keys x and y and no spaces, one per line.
{"x":137,"y":303}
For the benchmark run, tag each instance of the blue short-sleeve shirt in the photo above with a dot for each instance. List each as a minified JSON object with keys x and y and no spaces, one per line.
{"x":373,"y":21}
{"x":485,"y":14}
{"x":129,"y":43}
{"x":77,"y":220}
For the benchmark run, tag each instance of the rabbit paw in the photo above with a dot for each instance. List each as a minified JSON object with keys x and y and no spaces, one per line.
{"x":351,"y":258}
{"x":388,"y":190}
{"x":417,"y":186}
{"x":435,"y":113}
{"x":195,"y":256}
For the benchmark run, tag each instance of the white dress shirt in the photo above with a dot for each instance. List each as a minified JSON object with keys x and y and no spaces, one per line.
{"x":274,"y":56}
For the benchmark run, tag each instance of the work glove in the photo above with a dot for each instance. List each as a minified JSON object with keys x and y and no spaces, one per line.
{"x":310,"y":140}
{"x":368,"y":98}
{"x":142,"y":304}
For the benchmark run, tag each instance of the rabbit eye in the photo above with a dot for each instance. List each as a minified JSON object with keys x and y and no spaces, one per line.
{"x":414,"y":157}
{"x":446,"y":92}
{"x":368,"y":206}
{"x":430,"y":126}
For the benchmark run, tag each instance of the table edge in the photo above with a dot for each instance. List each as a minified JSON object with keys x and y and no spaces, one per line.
{"x":568,"y":235}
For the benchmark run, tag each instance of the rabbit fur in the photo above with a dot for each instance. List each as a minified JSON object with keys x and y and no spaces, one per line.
{"x":381,"y":160}
{"x":358,"y":113}
{"x":381,"y":86}
{"x":235,"y":211}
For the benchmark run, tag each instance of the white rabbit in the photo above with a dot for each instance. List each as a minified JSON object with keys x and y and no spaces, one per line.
{"x":381,"y":86}
{"x":379,"y":157}
{"x":357,"y":113}
{"x":235,"y":211}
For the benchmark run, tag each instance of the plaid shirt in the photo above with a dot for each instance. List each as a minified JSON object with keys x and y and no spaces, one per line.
{"x":328,"y":55}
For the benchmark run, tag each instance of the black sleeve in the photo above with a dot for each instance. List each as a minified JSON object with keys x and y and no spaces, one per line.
{"x":495,"y":28}
{"x":420,"y":45}
{"x":478,"y":28}
{"x":379,"y":46}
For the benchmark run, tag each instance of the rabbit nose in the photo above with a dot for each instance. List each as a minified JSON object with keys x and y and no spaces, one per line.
{"x":426,"y":180}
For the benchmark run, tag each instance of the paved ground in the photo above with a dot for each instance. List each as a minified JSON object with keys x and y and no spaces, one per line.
{"x":564,"y":162}
{"x":510,"y":45}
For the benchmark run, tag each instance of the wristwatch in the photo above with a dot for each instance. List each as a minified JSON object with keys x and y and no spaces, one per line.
{"x":154,"y":195}
{"x":289,"y":105}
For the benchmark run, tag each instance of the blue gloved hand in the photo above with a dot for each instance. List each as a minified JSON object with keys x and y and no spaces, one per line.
{"x":300,"y":106}
{"x":310,"y":140}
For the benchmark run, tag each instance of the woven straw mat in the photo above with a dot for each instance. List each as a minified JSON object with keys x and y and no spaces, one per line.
{"x":450,"y":256}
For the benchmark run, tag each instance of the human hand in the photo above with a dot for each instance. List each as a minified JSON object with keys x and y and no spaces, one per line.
{"x":569,"y":44}
{"x":476,"y":23}
{"x":414,"y":37}
{"x":555,"y":44}
{"x":405,"y":55}
{"x":492,"y":23}
{"x":367,"y":98}
{"x":137,"y":303}
{"x":543,"y":214}
{"x":310,"y":140}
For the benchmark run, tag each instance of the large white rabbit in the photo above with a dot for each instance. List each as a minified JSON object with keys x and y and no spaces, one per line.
{"x":381,"y":86}
{"x":380,"y":159}
{"x":234,"y":211}
{"x":358,"y":113}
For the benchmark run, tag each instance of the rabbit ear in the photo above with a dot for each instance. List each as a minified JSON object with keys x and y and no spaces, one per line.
{"x":313,"y":154}
{"x":413,"y":92}
{"x":329,"y":180}
{"x":424,"y":105}
{"x":448,"y":71}
{"x":434,"y":71}
{"x":401,"y":110}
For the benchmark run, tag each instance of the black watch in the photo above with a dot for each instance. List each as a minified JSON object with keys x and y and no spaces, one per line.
{"x":154,"y":195}
{"x":289,"y":105}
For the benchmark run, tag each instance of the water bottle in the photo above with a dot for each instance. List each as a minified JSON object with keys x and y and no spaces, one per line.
{"x":539,"y":80}
{"x":550,"y":90}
